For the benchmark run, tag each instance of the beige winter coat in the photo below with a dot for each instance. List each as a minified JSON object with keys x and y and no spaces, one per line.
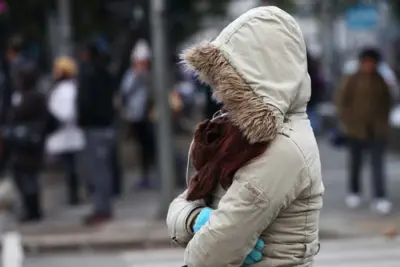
{"x":257,"y":67}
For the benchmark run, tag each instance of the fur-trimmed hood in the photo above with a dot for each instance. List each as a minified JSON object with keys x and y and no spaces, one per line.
{"x":257,"y":67}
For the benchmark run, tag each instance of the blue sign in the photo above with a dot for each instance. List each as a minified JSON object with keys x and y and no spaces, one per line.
{"x":362,"y":18}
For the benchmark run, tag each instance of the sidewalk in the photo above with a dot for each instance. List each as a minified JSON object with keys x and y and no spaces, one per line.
{"x":339,"y":221}
{"x":136,"y":224}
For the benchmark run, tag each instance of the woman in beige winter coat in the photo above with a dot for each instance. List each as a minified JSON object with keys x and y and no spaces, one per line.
{"x":257,"y":67}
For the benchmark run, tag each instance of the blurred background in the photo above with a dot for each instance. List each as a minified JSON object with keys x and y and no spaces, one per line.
{"x":97,"y":117}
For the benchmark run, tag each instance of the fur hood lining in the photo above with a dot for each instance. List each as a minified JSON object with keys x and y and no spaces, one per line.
{"x":246,"y":109}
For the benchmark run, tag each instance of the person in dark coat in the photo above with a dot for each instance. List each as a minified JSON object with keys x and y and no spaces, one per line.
{"x":211,"y":106}
{"x":27,"y":121}
{"x":363,"y":103}
{"x":96,"y":116}
{"x":317,"y":92}
{"x":10,"y":66}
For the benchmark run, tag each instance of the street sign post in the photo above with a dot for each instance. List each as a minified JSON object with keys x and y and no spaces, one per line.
{"x":64,"y":12}
{"x":164,"y":131}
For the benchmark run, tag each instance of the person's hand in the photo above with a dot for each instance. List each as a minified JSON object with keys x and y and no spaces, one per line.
{"x":201,"y":219}
{"x":255,"y":255}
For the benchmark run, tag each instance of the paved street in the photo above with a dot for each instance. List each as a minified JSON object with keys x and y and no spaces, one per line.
{"x":368,"y":252}
{"x":137,"y":226}
{"x":143,"y":205}
{"x":335,"y":215}
{"x":371,"y":252}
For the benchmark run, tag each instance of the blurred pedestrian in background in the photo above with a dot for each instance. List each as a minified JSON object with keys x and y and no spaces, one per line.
{"x":24,"y":134}
{"x":186,"y":89}
{"x":136,"y":94}
{"x":12,"y":63}
{"x":15,"y":58}
{"x":387,"y":73}
{"x":102,"y":46}
{"x":364,"y":103}
{"x":317,"y":93}
{"x":211,"y":106}
{"x":67,"y":139}
{"x":96,"y":117}
{"x":179,"y":106}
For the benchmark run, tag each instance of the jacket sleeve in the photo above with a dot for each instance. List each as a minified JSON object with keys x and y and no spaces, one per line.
{"x":181,"y":215}
{"x":387,"y":99}
{"x":343,"y":98}
{"x":259,"y":192}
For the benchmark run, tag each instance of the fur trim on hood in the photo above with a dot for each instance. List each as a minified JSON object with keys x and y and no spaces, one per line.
{"x":246,"y":110}
{"x":230,"y":65}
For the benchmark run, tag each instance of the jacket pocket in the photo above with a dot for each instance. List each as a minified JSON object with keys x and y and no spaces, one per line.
{"x":252,"y":194}
{"x":303,"y":252}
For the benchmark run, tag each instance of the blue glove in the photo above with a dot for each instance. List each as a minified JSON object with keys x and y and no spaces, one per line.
{"x":254,"y":256}
{"x":202,"y":219}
